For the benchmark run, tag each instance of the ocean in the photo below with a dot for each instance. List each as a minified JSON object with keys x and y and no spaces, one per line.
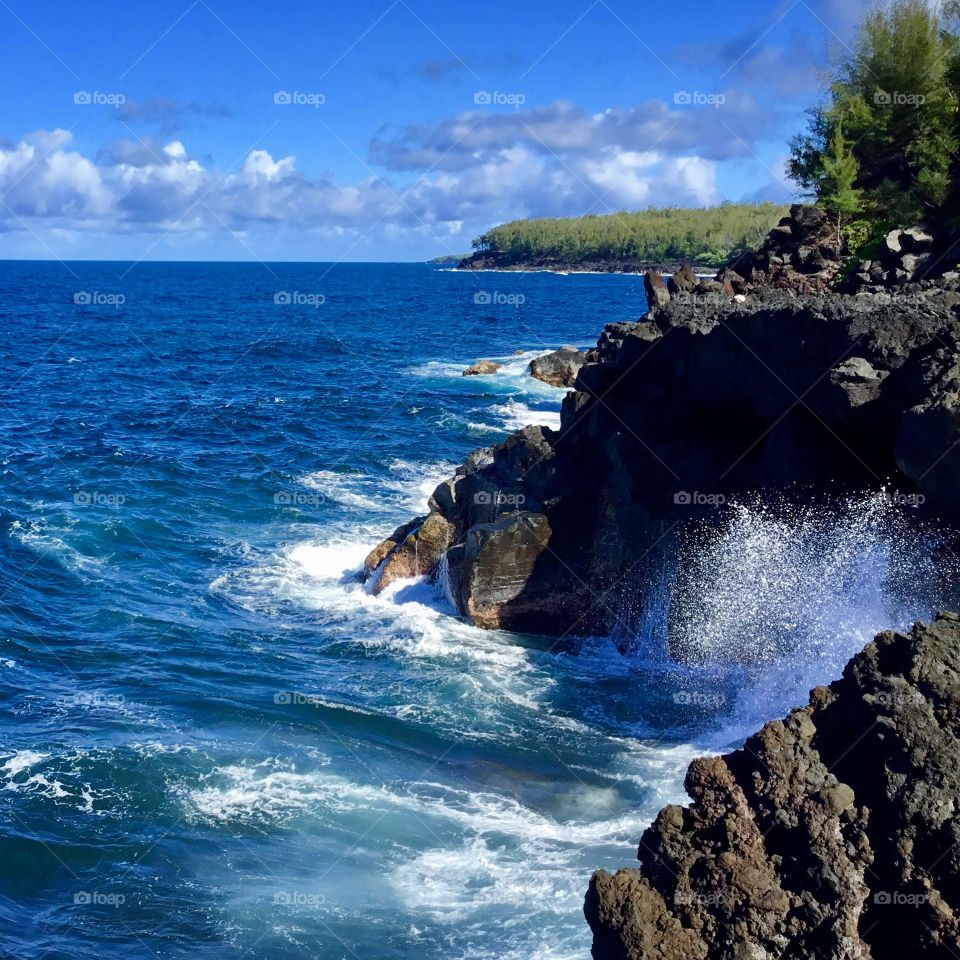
{"x":214,"y":742}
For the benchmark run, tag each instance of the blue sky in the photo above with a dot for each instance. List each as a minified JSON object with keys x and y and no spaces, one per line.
{"x":385,"y":129}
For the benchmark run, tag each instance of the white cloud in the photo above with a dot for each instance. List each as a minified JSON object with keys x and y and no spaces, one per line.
{"x":149,"y":186}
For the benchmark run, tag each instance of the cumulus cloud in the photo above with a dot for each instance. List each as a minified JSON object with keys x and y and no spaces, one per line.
{"x":150,"y":185}
{"x":714,"y":132}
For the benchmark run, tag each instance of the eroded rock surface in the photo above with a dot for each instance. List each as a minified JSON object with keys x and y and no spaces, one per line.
{"x":559,"y":368}
{"x":705,"y":396}
{"x":832,"y":835}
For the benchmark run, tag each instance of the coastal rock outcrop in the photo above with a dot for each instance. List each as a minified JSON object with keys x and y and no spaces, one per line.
{"x":481,"y":368}
{"x":703,"y":399}
{"x":559,"y":368}
{"x":831,"y":835}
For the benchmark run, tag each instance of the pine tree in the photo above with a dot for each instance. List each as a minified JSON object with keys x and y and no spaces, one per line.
{"x":837,"y":189}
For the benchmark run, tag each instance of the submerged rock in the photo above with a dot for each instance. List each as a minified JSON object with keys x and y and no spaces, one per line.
{"x":559,"y":368}
{"x":831,"y":835}
{"x":481,"y":368}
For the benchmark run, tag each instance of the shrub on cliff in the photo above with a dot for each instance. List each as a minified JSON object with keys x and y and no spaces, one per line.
{"x":892,"y":112}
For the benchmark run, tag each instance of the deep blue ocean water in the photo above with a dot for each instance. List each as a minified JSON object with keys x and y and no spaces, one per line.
{"x":213,"y":742}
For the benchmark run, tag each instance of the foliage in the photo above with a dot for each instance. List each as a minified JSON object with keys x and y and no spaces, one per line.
{"x":709,"y":236}
{"x":891,"y":111}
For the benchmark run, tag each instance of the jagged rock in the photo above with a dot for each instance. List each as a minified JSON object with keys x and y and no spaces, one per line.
{"x":891,"y":243}
{"x":705,"y":395}
{"x":498,"y":560}
{"x":832,"y":835}
{"x":559,"y":368}
{"x":916,"y":239}
{"x":685,"y":280}
{"x":656,"y":289}
{"x":481,"y":368}
{"x":414,"y":553}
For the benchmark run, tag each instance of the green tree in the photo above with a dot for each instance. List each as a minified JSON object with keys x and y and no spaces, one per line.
{"x":838,"y":193}
{"x":897,"y":97}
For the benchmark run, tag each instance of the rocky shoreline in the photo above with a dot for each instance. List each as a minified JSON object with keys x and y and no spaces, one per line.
{"x":706,"y":398}
{"x":493,"y":261}
{"x":831,"y":834}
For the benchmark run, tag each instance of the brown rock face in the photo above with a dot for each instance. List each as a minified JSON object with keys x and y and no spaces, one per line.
{"x":559,"y":368}
{"x":412,"y":550}
{"x":481,"y":368}
{"x":832,"y":835}
{"x":498,"y":560}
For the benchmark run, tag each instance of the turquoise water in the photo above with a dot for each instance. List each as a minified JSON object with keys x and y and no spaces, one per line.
{"x":213,"y":742}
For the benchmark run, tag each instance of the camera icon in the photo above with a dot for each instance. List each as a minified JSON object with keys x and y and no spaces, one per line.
{"x":682,"y":98}
{"x":282,"y":97}
{"x":882,"y":897}
{"x":682,"y":699}
{"x":82,"y":499}
{"x":83,"y":297}
{"x":882,"y":98}
{"x":483,"y":498}
{"x":82,"y":898}
{"x":682,"y":498}
{"x":283,"y":498}
{"x":282,"y":297}
{"x":482,"y":298}
{"x":283,"y":698}
{"x":82,"y":97}
{"x":282,"y":898}
{"x":483,"y":98}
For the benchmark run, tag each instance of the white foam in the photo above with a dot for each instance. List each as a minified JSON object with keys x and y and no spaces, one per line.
{"x":515,"y":415}
{"x":20,"y":761}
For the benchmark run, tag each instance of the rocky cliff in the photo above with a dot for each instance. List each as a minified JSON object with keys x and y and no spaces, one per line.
{"x":704,"y":399}
{"x":832,"y":835}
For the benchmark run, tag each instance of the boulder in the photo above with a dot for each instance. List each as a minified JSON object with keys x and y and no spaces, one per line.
{"x":559,"y":368}
{"x":498,"y":560}
{"x":685,"y":280}
{"x":832,"y":835}
{"x":411,"y":554}
{"x":656,"y":289}
{"x":481,"y":368}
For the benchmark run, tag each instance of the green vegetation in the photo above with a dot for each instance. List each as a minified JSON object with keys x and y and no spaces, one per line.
{"x":882,"y":149}
{"x":711,"y":236}
{"x":447,"y":258}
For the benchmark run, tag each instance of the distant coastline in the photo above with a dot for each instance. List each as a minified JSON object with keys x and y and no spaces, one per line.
{"x":487,"y":261}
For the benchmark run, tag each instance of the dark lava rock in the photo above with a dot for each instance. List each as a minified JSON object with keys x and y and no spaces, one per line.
{"x":832,"y":834}
{"x":559,"y":368}
{"x":710,"y":397}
